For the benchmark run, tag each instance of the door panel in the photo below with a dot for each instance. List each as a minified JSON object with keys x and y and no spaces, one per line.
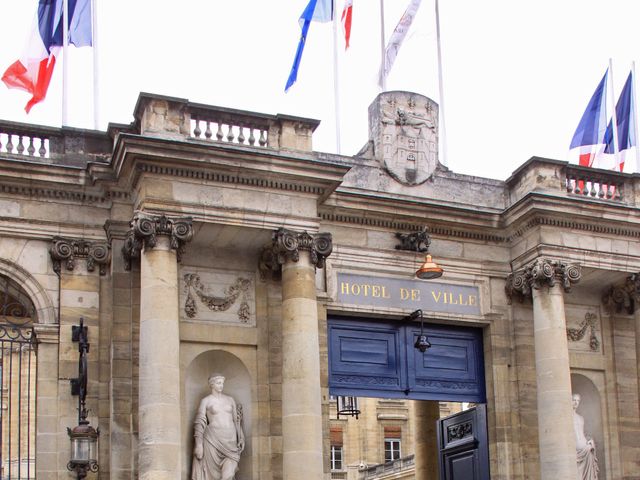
{"x":463,"y":445}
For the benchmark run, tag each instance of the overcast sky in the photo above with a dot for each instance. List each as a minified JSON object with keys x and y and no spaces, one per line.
{"x":517,"y":73}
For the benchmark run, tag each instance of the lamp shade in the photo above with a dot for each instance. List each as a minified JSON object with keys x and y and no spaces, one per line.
{"x":84,"y":445}
{"x":429,"y":270}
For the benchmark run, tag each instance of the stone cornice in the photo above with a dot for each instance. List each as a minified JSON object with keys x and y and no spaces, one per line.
{"x":539,"y":273}
{"x":144,"y":232}
{"x":67,"y":251}
{"x":287,"y":244}
{"x":624,"y":297}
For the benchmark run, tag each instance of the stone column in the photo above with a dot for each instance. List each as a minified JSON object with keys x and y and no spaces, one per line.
{"x":427,"y":414}
{"x":158,"y":241}
{"x":544,"y":281}
{"x":297,"y":254}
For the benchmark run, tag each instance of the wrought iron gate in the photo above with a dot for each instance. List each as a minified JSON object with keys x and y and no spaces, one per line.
{"x":18,"y":369}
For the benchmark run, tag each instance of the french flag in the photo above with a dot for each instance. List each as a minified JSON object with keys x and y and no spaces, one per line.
{"x":626,"y":130}
{"x":588,"y":139}
{"x":347,"y":14}
{"x":33,"y":71}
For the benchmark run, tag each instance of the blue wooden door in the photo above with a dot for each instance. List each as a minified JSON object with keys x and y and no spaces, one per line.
{"x":378,"y":359}
{"x":463,"y":445}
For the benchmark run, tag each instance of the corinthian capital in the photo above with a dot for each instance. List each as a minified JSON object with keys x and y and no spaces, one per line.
{"x":145,"y":229}
{"x":539,"y":273}
{"x":67,"y":251}
{"x":287,"y":244}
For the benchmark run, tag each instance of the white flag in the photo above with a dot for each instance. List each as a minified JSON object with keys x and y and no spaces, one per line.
{"x":397,"y":37}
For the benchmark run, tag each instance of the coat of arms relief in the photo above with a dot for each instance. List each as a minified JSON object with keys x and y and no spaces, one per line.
{"x":404,"y":127}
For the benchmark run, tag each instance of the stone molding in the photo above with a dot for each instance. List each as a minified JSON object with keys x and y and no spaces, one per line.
{"x":624,"y":297}
{"x":287,"y":244}
{"x":145,"y":229}
{"x":539,"y":273}
{"x":68,"y":250}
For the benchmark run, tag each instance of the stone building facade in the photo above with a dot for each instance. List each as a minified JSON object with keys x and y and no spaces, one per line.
{"x":200,"y":239}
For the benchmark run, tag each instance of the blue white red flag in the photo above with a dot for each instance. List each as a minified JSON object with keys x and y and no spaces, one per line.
{"x":317,"y":11}
{"x":626,"y":130}
{"x":33,"y":71}
{"x":588,"y":140}
{"x":347,"y":14}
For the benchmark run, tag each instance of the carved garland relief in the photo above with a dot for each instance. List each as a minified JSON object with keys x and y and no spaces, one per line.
{"x":218,"y":296}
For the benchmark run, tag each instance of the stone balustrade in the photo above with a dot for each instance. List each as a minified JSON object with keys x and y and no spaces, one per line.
{"x":389,"y":470}
{"x":595,"y":183}
{"x":178,"y":118}
{"x":26,"y":140}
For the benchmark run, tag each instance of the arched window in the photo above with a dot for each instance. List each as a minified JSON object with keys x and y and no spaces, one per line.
{"x":18,"y":381}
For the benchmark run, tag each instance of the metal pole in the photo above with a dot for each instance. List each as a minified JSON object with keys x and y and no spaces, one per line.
{"x":443,"y":130}
{"x":336,"y":77}
{"x":65,"y":63}
{"x":614,"y":119}
{"x":383,"y":56}
{"x":96,"y":76}
{"x":634,"y":107}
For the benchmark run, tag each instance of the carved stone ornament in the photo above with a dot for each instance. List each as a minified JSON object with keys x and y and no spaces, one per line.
{"x":539,"y":273}
{"x":414,"y":241}
{"x":286,"y":245}
{"x":67,"y":251}
{"x":194,"y":288}
{"x":144,"y":232}
{"x":577,"y":334}
{"x":623,"y":298}
{"x":404,"y":130}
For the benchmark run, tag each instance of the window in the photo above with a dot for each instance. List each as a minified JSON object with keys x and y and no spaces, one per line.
{"x":336,"y":457}
{"x":391,"y":449}
{"x":335,"y":437}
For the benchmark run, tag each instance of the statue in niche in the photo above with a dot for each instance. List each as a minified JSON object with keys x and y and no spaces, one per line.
{"x":585,"y":448}
{"x":219,"y":439}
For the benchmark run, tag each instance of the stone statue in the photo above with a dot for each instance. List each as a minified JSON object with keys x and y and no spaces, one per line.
{"x":219,"y":439}
{"x":585,"y":449}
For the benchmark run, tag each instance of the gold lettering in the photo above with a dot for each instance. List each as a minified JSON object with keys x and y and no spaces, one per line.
{"x":375,"y":291}
{"x":436,"y":297}
{"x":472,"y":299}
{"x":366,"y":288}
{"x":355,"y":289}
{"x":404,"y":294}
{"x":451,"y":300}
{"x":415,"y":295}
{"x":461,"y":300}
{"x":344,"y":288}
{"x":384,"y":293}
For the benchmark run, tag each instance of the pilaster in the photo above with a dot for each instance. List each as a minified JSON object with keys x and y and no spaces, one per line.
{"x":80,"y":264}
{"x":545,"y":282}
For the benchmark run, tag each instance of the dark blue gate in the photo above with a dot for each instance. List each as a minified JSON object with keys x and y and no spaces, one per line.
{"x":378,"y":359}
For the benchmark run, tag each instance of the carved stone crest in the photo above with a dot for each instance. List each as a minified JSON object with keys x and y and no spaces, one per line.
{"x":404,"y":130}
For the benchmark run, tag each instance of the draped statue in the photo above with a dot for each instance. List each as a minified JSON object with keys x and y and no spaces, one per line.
{"x":585,"y":448}
{"x":219,"y":439}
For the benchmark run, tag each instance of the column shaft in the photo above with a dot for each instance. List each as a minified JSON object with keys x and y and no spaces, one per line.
{"x":555,"y":413}
{"x":159,"y":383}
{"x":301,"y":394}
{"x":427,"y":414}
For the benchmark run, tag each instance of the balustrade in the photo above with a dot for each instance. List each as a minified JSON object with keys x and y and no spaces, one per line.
{"x":594,"y":183}
{"x":229,"y":126}
{"x":25,"y":141}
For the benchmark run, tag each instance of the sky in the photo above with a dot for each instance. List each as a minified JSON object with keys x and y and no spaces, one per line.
{"x":517,"y":74}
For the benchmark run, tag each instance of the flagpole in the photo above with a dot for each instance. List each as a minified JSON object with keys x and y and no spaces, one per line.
{"x":96,"y":76}
{"x":443,"y":131}
{"x":383,"y":56}
{"x":65,"y":63}
{"x":336,"y":77}
{"x":634,"y":104}
{"x":614,"y":119}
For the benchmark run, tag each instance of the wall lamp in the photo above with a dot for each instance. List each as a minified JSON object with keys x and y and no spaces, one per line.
{"x":422,"y":343}
{"x":83,"y":437}
{"x":348,"y":406}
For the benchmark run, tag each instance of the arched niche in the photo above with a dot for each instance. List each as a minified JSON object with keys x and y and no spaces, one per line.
{"x":44,"y":310}
{"x":237,"y":384}
{"x":591,"y":410}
